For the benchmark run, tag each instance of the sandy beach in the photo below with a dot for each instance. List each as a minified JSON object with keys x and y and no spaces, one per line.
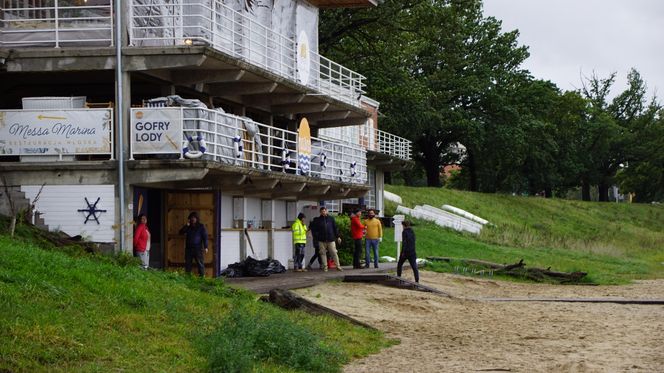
{"x":468,"y":333}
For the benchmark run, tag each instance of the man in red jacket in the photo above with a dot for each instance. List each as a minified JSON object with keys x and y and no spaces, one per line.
{"x":356,"y":231}
{"x":142,"y":241}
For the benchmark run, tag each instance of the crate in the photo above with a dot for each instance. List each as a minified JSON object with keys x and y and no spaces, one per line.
{"x":74,"y":102}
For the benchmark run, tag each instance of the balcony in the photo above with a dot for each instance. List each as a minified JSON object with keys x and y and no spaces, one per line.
{"x":56,"y":23}
{"x":212,"y":23}
{"x":211,"y":135}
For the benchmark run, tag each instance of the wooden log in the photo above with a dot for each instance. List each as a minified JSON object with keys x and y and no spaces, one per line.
{"x":519,"y":270}
{"x":291,"y":301}
{"x":468,"y":261}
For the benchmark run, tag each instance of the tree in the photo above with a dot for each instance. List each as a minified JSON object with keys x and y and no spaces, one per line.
{"x":437,"y":67}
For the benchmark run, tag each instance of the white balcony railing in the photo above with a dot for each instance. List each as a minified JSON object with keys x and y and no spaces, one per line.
{"x":211,"y":22}
{"x":384,"y":142}
{"x":55,"y":23}
{"x":240,"y":142}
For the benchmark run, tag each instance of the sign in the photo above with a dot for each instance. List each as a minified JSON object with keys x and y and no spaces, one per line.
{"x":55,"y":132}
{"x":156,"y":130}
{"x":398,"y":228}
{"x":303,"y":58}
{"x":304,"y":147}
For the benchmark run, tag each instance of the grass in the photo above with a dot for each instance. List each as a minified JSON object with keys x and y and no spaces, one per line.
{"x":614,"y":243}
{"x":62,"y":312}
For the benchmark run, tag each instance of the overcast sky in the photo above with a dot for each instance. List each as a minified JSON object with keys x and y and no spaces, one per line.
{"x":567,"y":38}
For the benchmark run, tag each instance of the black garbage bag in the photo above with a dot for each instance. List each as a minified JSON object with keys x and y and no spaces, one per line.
{"x":251,"y":267}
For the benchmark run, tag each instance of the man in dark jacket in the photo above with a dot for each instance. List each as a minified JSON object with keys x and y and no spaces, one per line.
{"x":325,"y":229}
{"x":314,"y":238}
{"x":196,"y":241}
{"x":408,"y":252}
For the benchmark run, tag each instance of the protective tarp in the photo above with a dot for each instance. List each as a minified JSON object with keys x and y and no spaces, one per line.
{"x":255,"y":135}
{"x":251,"y":267}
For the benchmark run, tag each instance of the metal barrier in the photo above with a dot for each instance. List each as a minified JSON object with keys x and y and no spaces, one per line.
{"x":380,"y":141}
{"x":55,"y":23}
{"x":242,"y":142}
{"x":198,"y":22}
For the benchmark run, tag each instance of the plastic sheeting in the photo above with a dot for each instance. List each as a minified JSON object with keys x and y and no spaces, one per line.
{"x":251,"y":267}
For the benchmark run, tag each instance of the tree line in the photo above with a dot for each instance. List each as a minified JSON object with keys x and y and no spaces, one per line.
{"x":446,"y":74}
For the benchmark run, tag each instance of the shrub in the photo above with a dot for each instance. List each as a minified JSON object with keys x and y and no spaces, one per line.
{"x":246,"y":340}
{"x":345,"y":250}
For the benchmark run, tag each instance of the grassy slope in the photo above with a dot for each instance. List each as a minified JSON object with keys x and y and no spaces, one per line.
{"x":613,"y":242}
{"x":61,"y":313}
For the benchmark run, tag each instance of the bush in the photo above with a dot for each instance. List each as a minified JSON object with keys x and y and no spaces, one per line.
{"x":345,"y":250}
{"x":246,"y":340}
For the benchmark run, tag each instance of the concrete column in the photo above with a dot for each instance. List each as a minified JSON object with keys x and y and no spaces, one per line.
{"x":125,"y":106}
{"x":380,"y":187}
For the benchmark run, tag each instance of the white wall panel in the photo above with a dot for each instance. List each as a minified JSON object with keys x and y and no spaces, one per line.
{"x":230,"y":247}
{"x":280,"y":219}
{"x":283,"y":246}
{"x":253,"y":210}
{"x":226,"y":210}
{"x":59,"y":205}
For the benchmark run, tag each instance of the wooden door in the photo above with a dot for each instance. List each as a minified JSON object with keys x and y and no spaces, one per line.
{"x":178,"y":207}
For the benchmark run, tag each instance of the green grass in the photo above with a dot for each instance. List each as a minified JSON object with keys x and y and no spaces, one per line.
{"x":614,"y":243}
{"x":61,"y":312}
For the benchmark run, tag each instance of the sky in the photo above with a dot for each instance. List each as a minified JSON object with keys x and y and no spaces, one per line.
{"x":568,"y":39}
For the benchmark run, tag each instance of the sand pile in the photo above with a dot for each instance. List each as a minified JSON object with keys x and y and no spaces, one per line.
{"x":465,"y":333}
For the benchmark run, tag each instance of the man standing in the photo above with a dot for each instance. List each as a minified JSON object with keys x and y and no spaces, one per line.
{"x":356,"y":231}
{"x":314,"y":239}
{"x":374,"y":236}
{"x":195,"y":243}
{"x":408,"y":253}
{"x":328,"y":236}
{"x":142,"y":241}
{"x":299,"y":242}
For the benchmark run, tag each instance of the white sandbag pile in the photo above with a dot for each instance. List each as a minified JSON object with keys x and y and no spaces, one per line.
{"x":444,"y":218}
{"x":392,"y":197}
{"x":465,"y":214}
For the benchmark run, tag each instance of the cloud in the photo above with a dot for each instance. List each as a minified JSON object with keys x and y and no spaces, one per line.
{"x":567,"y":38}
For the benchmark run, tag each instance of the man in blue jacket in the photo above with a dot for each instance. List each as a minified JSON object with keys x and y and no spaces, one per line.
{"x":325,"y":229}
{"x":196,"y":241}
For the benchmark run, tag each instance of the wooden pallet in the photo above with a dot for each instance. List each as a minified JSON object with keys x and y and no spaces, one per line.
{"x":394,"y":281}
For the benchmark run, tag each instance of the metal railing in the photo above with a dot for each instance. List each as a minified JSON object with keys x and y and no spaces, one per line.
{"x":200,"y":22}
{"x":242,"y":142}
{"x":380,"y":141}
{"x":55,"y":23}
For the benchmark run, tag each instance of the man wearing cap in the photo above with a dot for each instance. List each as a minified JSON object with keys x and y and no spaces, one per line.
{"x":195,"y":242}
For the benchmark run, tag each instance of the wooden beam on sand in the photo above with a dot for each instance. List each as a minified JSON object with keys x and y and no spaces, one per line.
{"x":291,"y":301}
{"x":579,"y":300}
{"x":394,"y":281}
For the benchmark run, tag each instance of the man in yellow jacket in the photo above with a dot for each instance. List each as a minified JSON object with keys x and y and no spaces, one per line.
{"x":299,"y":242}
{"x":373,"y":237}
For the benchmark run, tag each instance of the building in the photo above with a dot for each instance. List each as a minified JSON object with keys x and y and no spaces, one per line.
{"x":224,"y":107}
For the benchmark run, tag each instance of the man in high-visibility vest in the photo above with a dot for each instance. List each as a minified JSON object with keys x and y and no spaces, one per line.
{"x":299,"y":242}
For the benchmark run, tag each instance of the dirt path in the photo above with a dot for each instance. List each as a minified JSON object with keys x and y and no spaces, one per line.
{"x":439,"y":334}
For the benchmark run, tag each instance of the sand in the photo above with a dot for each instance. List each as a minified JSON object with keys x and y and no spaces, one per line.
{"x":465,"y":333}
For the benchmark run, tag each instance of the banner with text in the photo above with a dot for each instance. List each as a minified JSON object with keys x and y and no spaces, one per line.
{"x":156,"y":130}
{"x":55,"y":132}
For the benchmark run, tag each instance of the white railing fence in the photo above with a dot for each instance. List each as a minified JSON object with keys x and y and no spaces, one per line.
{"x":212,"y":23}
{"x":56,"y":23}
{"x":380,"y":141}
{"x":245,"y":143}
